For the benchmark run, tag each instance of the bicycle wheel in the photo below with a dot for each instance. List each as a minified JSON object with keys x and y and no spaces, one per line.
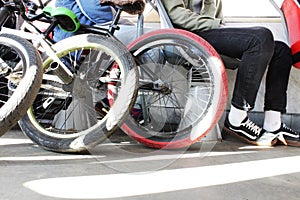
{"x":182,"y":90}
{"x":21,"y":74}
{"x":74,"y":117}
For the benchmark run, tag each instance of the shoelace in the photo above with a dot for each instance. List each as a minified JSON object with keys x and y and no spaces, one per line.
{"x":289,"y":129}
{"x":252,"y":127}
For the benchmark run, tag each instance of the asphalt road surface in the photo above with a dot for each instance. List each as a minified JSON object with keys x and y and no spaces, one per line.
{"x":123,"y":169}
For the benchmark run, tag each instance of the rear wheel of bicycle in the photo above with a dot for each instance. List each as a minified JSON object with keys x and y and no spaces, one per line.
{"x":182,"y":90}
{"x":21,"y":74}
{"x":76,"y":116}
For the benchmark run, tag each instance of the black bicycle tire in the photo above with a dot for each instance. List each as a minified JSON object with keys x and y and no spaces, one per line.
{"x":99,"y":132}
{"x":25,"y":92}
{"x":184,"y":138}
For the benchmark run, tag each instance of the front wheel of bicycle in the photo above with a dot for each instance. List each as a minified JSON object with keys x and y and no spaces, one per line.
{"x":182,"y":89}
{"x":72,"y":117}
{"x":21,"y":74}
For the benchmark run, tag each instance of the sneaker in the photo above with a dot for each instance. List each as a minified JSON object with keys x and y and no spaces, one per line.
{"x":287,"y":136}
{"x":251,"y":133}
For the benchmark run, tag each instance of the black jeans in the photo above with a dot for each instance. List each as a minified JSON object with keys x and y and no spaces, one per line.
{"x":257,"y":50}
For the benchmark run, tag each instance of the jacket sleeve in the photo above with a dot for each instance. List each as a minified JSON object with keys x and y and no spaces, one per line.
{"x":212,"y":8}
{"x":184,"y":18}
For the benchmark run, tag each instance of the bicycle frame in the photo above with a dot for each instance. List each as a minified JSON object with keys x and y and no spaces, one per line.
{"x":34,"y":35}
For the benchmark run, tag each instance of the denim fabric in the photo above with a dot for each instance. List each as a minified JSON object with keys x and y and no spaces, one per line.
{"x":95,"y":12}
{"x":278,"y":77}
{"x":256,"y":48}
{"x":92,"y":8}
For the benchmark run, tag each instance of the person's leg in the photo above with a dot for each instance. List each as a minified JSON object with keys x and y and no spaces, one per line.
{"x":276,"y":95}
{"x":254,"y":47}
{"x":95,"y":12}
{"x":277,"y":78}
{"x":272,"y":120}
{"x":276,"y":86}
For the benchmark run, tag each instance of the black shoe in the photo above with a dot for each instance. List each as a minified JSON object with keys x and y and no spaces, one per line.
{"x":251,"y":133}
{"x":287,"y":136}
